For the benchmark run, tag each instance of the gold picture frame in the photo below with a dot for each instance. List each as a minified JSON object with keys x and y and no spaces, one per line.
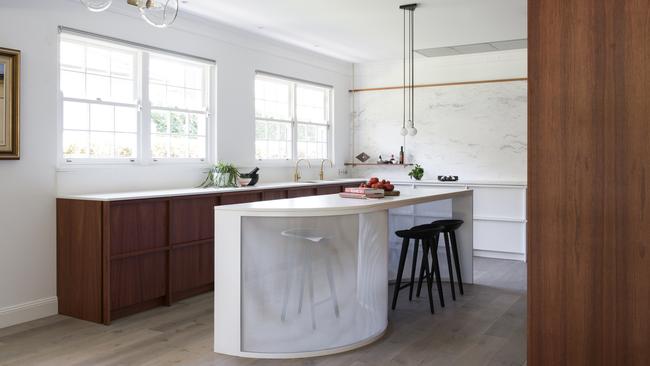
{"x":9,"y":104}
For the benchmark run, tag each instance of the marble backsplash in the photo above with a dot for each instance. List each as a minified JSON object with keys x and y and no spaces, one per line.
{"x":475,"y":131}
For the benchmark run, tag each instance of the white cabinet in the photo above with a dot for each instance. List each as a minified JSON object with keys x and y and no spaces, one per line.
{"x":499,"y":216}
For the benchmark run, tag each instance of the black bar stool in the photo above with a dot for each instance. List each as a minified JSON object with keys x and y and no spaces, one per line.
{"x":427,"y":235}
{"x":449,"y":233}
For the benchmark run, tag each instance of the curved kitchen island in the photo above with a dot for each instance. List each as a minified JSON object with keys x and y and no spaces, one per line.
{"x":308,"y":276}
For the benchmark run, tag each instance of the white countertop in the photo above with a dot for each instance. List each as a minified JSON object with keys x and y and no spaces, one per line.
{"x":463,"y":182}
{"x":333,"y":204}
{"x":121,"y":196}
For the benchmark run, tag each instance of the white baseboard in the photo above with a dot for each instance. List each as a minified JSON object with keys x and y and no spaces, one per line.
{"x":500,"y":255}
{"x":27,"y":311}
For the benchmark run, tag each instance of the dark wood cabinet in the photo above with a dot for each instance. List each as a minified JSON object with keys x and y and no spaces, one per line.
{"x":122,"y":257}
{"x":301,"y":192}
{"x":328,"y":190}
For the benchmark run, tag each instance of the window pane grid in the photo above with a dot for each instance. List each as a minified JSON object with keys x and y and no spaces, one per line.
{"x":97,"y":72}
{"x":101,"y":115}
{"x":178,"y":135}
{"x":303,"y":111}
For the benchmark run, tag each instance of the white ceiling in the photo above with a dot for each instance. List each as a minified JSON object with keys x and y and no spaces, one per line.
{"x":369,"y":30}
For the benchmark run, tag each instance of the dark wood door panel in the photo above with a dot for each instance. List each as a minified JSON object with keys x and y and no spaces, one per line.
{"x":192,"y":267}
{"x":301,"y":192}
{"x":191,"y":219}
{"x":138,"y":225}
{"x":275,"y":194}
{"x":234,"y":198}
{"x":588,"y":169}
{"x":138,"y":279}
{"x":328,"y":190}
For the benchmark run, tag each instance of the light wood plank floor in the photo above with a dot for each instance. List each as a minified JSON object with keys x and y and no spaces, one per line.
{"x":484,"y":327}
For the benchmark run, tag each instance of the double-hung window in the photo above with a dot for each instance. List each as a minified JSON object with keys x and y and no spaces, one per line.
{"x":122,"y":103}
{"x":292,"y":119}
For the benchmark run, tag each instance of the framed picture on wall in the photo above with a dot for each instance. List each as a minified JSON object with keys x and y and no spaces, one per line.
{"x":9,"y":104}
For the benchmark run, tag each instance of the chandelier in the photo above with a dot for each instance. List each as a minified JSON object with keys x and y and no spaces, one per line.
{"x":159,"y":13}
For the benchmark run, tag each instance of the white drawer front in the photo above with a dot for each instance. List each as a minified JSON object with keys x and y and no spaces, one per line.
{"x":500,"y":236}
{"x":500,"y":202}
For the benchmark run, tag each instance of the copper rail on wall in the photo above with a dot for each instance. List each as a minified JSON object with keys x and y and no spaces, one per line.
{"x":440,"y":84}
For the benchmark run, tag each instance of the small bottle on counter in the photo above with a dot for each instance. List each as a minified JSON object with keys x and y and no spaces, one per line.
{"x":392,"y":159}
{"x":401,"y":155}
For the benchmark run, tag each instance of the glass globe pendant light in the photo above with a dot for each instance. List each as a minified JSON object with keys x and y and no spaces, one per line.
{"x":97,"y":5}
{"x":159,"y":13}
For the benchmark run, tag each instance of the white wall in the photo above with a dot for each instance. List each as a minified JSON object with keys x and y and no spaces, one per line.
{"x":28,"y":187}
{"x":476,"y":131}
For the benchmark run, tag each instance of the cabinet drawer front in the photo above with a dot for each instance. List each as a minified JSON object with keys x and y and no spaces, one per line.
{"x":328,"y":190}
{"x":274,"y":194}
{"x":500,"y":202}
{"x":301,"y":192}
{"x":500,"y":236}
{"x":192,"y":266}
{"x":138,"y":226}
{"x":135,"y":280}
{"x":234,"y":198}
{"x":192,"y":219}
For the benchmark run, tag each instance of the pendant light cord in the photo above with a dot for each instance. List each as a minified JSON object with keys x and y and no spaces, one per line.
{"x":412,"y":55}
{"x":404,"y":72}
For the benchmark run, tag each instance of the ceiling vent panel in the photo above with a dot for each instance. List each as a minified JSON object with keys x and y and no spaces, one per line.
{"x":465,"y":49}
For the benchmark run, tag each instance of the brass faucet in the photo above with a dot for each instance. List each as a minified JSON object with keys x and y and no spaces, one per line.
{"x":296,"y":174}
{"x":322,"y":172}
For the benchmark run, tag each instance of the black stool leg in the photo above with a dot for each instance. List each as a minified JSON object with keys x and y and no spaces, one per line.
{"x":454,"y":249}
{"x":436,"y":269}
{"x":400,"y":270}
{"x":425,"y":264}
{"x":415,"y":264}
{"x":451,"y":269}
{"x":417,"y":293}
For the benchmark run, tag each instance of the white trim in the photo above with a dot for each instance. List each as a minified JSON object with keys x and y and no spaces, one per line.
{"x":500,"y":255}
{"x":27,"y":311}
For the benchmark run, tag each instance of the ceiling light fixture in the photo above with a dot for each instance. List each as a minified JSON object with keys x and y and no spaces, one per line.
{"x":408,"y":69}
{"x":159,"y":13}
{"x":97,"y":5}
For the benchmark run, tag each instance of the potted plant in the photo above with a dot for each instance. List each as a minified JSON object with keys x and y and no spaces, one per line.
{"x":417,"y":172}
{"x":221,"y":175}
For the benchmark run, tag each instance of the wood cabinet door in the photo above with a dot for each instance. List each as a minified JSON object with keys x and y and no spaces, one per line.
{"x":234,"y":198}
{"x":301,"y":192}
{"x":137,"y":226}
{"x":138,"y":281}
{"x":275,"y":194}
{"x":192,"y":269}
{"x":191,"y":219}
{"x":328,"y":189}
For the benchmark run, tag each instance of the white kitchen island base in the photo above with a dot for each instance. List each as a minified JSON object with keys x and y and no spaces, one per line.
{"x":309,"y":276}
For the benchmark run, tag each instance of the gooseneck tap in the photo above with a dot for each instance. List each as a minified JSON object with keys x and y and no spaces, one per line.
{"x":322,"y":168}
{"x":296,"y":174}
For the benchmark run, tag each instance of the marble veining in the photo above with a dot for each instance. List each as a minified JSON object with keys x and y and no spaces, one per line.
{"x":475,"y":131}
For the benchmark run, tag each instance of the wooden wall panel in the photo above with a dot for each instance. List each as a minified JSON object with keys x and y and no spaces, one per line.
{"x":138,"y":225}
{"x":79,"y":259}
{"x":589,"y":163}
{"x":191,"y":218}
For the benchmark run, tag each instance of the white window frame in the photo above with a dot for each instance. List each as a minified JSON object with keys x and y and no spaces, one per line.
{"x":294,"y":83}
{"x":142,"y":104}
